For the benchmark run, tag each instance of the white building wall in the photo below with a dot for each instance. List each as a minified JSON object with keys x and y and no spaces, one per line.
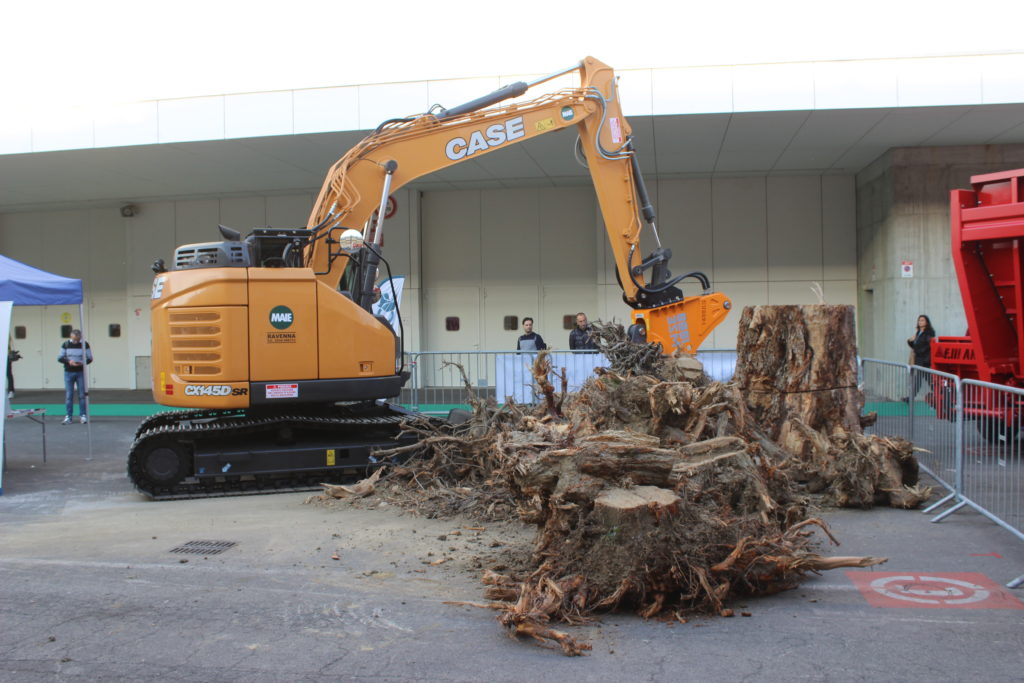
{"x":479,"y":255}
{"x":543,"y":253}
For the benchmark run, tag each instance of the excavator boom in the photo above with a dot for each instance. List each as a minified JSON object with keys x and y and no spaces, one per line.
{"x":402,"y":150}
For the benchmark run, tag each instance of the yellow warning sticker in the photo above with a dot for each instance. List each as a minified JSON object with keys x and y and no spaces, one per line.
{"x":330,"y":457}
{"x":544,"y":124}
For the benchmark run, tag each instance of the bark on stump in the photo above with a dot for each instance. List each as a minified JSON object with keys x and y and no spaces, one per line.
{"x":797,"y":367}
{"x":799,"y":363}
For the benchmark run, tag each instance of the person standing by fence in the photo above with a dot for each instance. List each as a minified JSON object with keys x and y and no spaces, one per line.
{"x":530,"y":340}
{"x":921,"y":350}
{"x":580,"y":338}
{"x":12,"y":355}
{"x":74,"y":356}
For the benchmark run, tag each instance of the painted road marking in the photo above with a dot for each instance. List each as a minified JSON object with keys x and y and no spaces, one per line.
{"x":959,"y":590}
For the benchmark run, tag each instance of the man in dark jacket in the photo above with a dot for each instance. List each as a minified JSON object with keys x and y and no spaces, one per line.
{"x":74,"y":356}
{"x":12,"y":355}
{"x":530,"y":340}
{"x":579,"y":337}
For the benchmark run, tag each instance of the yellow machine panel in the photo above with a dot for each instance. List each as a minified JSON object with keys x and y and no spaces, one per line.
{"x":202,"y":357}
{"x":352,"y":342}
{"x":201,"y":287}
{"x":282,"y":324}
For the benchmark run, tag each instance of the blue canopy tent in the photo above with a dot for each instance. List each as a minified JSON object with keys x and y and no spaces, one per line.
{"x":23,"y":285}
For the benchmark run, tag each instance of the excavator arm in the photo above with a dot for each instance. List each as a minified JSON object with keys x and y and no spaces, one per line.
{"x":402,"y":150}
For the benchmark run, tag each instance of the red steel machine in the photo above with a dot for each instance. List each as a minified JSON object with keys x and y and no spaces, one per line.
{"x":988,"y":253}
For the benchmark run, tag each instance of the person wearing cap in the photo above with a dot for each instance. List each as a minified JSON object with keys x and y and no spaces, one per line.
{"x":74,"y":356}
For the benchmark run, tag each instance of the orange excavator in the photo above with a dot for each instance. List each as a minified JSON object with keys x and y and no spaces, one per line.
{"x":270,"y":342}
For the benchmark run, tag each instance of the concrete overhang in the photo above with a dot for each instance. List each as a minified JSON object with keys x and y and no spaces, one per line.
{"x":775,"y":119}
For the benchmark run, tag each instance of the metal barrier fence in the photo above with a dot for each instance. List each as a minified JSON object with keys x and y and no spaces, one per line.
{"x":991,"y":476}
{"x":436,"y":384}
{"x":936,"y":426}
{"x":884,"y":385}
{"x":968,"y":432}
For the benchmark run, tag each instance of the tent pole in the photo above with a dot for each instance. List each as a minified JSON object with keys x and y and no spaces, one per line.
{"x":85,"y":373}
{"x":7,"y":401}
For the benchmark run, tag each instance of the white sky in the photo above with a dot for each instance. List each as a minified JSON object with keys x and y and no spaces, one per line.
{"x":58,"y":53}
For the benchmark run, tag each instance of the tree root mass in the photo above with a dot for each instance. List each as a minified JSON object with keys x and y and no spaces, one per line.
{"x":656,"y":490}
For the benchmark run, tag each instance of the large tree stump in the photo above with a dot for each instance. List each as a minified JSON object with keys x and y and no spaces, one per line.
{"x":799,"y":363}
{"x":797,"y":368}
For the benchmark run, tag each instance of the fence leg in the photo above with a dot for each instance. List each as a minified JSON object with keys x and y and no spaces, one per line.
{"x":950,"y":511}
{"x":1016,"y":583}
{"x":938,"y":504}
{"x":415,"y":384}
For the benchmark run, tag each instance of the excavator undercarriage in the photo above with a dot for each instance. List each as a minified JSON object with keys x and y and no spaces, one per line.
{"x":206,"y":453}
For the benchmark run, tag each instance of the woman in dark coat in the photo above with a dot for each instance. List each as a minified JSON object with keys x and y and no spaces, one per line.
{"x":921,"y":349}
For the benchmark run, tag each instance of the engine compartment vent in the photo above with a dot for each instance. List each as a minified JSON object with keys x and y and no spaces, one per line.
{"x":212,"y":255}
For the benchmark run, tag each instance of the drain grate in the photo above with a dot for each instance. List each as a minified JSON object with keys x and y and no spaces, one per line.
{"x":204,"y":547}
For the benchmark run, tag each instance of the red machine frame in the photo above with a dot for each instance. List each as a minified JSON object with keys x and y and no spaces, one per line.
{"x":988,"y":253}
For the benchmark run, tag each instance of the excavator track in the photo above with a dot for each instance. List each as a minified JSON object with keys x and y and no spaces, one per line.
{"x":208,"y":453}
{"x":171,"y":417}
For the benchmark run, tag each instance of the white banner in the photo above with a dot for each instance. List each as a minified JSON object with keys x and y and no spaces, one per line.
{"x":513,"y":377}
{"x":5,"y":331}
{"x":387,"y":305}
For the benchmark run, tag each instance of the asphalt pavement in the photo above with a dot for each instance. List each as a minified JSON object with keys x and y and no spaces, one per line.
{"x":98,"y":583}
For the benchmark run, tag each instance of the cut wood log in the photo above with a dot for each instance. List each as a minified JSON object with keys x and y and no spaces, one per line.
{"x":360,"y":489}
{"x":685,"y":469}
{"x":799,"y":363}
{"x":719,"y":444}
{"x":652,"y":467}
{"x":632,"y":510}
{"x":684,"y":367}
